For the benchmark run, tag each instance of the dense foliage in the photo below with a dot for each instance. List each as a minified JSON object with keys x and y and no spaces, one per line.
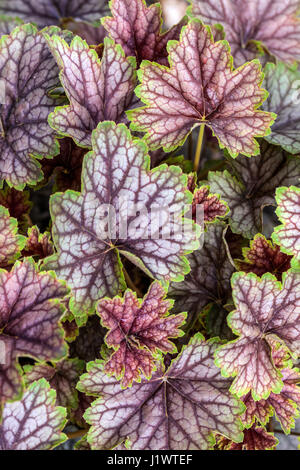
{"x":149,"y":224}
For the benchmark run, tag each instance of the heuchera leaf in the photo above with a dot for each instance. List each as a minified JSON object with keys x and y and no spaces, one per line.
{"x":51,"y":12}
{"x":18,"y":205}
{"x":38,"y":244}
{"x":8,"y":24}
{"x":11,"y":243}
{"x":138,"y":329}
{"x":65,"y":167}
{"x":285,"y":404}
{"x":212,"y":205}
{"x":29,"y":321}
{"x":252,"y":186}
{"x":34,"y":423}
{"x":177,"y":409}
{"x":283,"y":85}
{"x":264,"y":308}
{"x":209,"y":278}
{"x":255,"y":26}
{"x":264,"y":257}
{"x":137,"y":29}
{"x":27,"y":74}
{"x":255,"y":438}
{"x":62,"y":377}
{"x":117,"y":173}
{"x":287,"y":235}
{"x":200,"y":87}
{"x":97,"y":90}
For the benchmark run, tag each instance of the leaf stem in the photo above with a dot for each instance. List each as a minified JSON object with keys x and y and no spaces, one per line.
{"x":76,"y":434}
{"x":199,"y":147}
{"x":131,"y":284}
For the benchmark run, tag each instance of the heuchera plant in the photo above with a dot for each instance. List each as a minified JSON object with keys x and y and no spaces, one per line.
{"x":149,"y":224}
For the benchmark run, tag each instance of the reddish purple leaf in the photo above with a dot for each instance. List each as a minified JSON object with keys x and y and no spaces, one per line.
{"x":253,"y":27}
{"x":29,"y":322}
{"x":255,"y":438}
{"x":137,"y":28}
{"x":33,"y":423}
{"x":265,"y":308}
{"x":212,"y":206}
{"x":201,"y":88}
{"x":18,"y":205}
{"x":38,"y":245}
{"x":138,"y":329}
{"x":264,"y":257}
{"x":178,"y":409}
{"x":97,"y":90}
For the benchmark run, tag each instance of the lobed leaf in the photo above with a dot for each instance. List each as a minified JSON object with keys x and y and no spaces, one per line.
{"x":201,"y":87}
{"x":177,"y":409}
{"x":255,"y":438}
{"x":11,"y":243}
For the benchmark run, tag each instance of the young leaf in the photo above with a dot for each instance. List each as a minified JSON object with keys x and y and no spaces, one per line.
{"x":97,"y":90}
{"x":117,"y":174}
{"x":11,"y":243}
{"x":38,"y":244}
{"x":283,"y":86}
{"x":178,"y":409}
{"x":27,"y":74}
{"x":255,"y":26}
{"x":201,"y":87}
{"x":34,"y":423}
{"x":264,"y":308}
{"x":255,"y":438}
{"x":137,"y":331}
{"x":287,"y":235}
{"x":29,"y":316}
{"x":209,"y":279}
{"x":264,"y":257}
{"x":285,"y":404}
{"x":62,"y":377}
{"x":137,"y":29}
{"x":252,"y":186}
{"x":52,"y":12}
{"x":212,"y":205}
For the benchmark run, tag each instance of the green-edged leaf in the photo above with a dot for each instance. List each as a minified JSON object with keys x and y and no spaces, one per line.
{"x":201,"y":87}
{"x":138,"y":329}
{"x":287,"y":235}
{"x":29,"y":322}
{"x":211,"y":204}
{"x":138,"y":29}
{"x":283,"y":85}
{"x":34,"y":423}
{"x":8,"y":24}
{"x":264,"y":257}
{"x":38,"y":245}
{"x":97,"y":90}
{"x":252,"y":184}
{"x":254,"y":27}
{"x":264,"y":308}
{"x":11,"y":243}
{"x":178,"y":409}
{"x":27,"y":74}
{"x":62,"y":377}
{"x":116,"y":179}
{"x":255,"y":438}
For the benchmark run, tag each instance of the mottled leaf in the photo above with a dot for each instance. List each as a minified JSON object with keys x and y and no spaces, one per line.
{"x":11,"y":243}
{"x":209,"y":279}
{"x":253,"y":27}
{"x":97,"y":90}
{"x":137,"y":28}
{"x":252,"y":184}
{"x":212,"y":206}
{"x":49,"y":12}
{"x":264,"y":257}
{"x":283,"y":85}
{"x":89,"y":243}
{"x":18,"y":205}
{"x":34,"y":423}
{"x":38,"y":245}
{"x":255,"y":438}
{"x":29,"y":322}
{"x":138,"y":329}
{"x":265,"y":307}
{"x":178,"y":409}
{"x":200,"y":87}
{"x":287,"y":235}
{"x":27,"y":74}
{"x":62,"y":377}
